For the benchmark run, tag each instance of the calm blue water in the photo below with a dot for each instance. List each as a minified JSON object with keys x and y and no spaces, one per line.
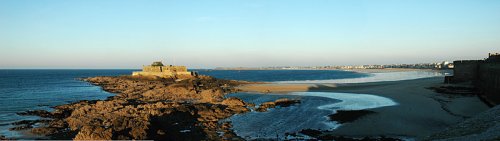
{"x":281,"y":75}
{"x":22,"y":90}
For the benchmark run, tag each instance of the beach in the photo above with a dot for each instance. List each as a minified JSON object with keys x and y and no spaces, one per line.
{"x":420,"y":111}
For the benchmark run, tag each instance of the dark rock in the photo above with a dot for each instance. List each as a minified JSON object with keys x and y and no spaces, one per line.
{"x":26,"y":124}
{"x":40,"y":113}
{"x":283,"y":102}
{"x":311,"y":132}
{"x":44,"y":130}
{"x":3,"y":138}
{"x":21,"y":127}
{"x":343,"y":116}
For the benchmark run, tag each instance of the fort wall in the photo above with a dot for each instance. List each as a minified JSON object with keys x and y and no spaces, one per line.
{"x":483,"y":74}
{"x":465,"y":70}
{"x":159,"y":70}
{"x":489,"y":81}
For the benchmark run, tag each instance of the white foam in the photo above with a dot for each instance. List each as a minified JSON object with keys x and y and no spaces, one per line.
{"x":377,"y":77}
{"x":349,"y":101}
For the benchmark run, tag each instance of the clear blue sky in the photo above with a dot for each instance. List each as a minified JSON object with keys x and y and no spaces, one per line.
{"x":230,"y":33}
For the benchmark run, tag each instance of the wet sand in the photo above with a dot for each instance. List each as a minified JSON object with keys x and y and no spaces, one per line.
{"x":420,"y":112}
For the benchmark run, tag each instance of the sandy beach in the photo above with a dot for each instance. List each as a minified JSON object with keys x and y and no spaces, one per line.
{"x":419,"y":113}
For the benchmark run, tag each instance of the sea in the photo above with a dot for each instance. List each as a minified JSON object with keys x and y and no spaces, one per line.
{"x":22,"y":90}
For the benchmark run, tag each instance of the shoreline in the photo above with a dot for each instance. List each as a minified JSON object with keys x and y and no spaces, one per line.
{"x":420,"y":112}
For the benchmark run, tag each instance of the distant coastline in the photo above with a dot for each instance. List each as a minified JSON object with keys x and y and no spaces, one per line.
{"x":441,"y":65}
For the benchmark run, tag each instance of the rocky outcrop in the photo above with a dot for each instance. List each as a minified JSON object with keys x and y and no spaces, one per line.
{"x":283,"y":102}
{"x":148,"y":108}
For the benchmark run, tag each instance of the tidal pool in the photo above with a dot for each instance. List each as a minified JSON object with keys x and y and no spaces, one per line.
{"x":311,"y":113}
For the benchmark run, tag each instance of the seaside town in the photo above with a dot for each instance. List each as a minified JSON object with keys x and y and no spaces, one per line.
{"x":440,"y":65}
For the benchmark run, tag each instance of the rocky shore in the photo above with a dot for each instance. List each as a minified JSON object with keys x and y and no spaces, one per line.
{"x":196,"y":109}
{"x":145,"y":108}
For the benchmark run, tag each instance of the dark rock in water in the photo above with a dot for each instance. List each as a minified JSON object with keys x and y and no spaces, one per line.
{"x":40,"y":113}
{"x":22,"y":127}
{"x":26,"y":124}
{"x":283,"y":102}
{"x":343,"y":116}
{"x":29,"y":122}
{"x":311,"y":132}
{"x":44,"y":130}
{"x":3,"y":138}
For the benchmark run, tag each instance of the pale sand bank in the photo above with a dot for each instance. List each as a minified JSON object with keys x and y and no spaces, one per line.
{"x":420,"y":111}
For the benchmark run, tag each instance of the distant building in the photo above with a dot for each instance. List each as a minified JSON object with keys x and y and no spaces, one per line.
{"x":445,"y":65}
{"x":160,"y":70}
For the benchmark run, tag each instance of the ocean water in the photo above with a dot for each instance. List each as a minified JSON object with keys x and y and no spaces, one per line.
{"x":22,"y":90}
{"x":282,"y":75}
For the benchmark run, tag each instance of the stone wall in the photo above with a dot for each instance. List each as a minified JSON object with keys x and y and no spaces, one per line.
{"x":164,"y":71}
{"x":152,"y":69}
{"x":159,"y":74}
{"x":483,"y":74}
{"x":176,"y":68}
{"x":489,"y":81}
{"x":465,"y":70}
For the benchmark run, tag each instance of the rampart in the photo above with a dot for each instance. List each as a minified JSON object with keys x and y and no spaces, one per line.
{"x":483,"y":74}
{"x":488,"y":81}
{"x":465,"y":70}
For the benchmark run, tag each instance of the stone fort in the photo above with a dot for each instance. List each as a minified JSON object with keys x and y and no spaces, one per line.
{"x":164,"y":71}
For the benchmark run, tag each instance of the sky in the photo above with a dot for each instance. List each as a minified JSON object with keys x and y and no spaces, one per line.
{"x":94,"y":34}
